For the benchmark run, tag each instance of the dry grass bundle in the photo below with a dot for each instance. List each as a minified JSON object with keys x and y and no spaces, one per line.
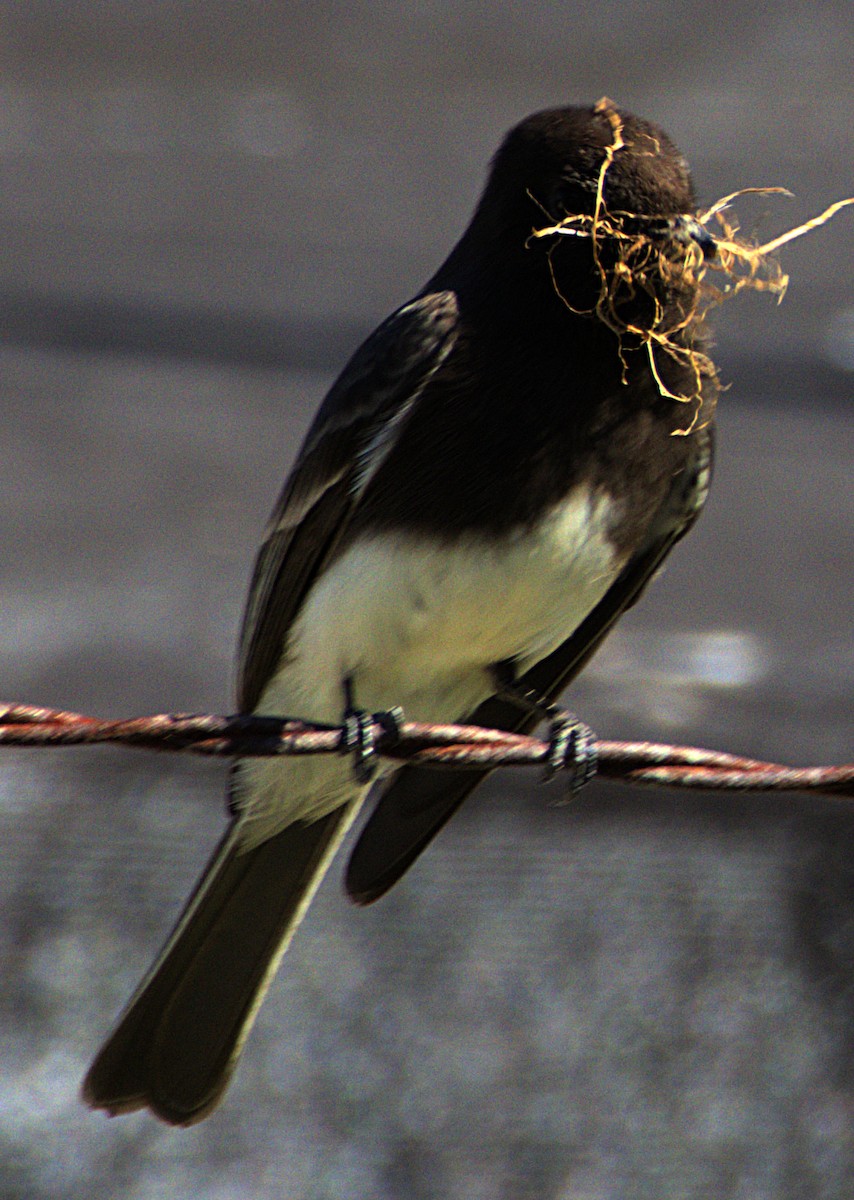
{"x":684,"y":266}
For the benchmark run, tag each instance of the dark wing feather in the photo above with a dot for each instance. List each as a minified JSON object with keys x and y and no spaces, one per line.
{"x":355,"y":428}
{"x":418,"y":802}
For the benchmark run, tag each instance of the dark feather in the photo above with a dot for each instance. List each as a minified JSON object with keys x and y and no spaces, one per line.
{"x":353,"y":432}
{"x":177,"y":1042}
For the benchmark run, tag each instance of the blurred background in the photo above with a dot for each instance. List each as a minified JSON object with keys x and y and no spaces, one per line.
{"x":204,"y":207}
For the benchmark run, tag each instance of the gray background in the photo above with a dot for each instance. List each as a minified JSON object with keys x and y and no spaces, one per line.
{"x":203,"y":207}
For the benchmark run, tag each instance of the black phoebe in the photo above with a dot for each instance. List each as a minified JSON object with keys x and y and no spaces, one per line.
{"x":490,"y":483}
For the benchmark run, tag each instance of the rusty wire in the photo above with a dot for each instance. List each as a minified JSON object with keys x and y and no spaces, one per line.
{"x":448,"y":746}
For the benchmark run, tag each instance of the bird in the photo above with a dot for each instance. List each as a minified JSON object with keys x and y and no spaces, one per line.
{"x":495,"y":476}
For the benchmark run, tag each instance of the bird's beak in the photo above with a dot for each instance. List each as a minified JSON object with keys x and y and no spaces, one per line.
{"x":690,"y":228}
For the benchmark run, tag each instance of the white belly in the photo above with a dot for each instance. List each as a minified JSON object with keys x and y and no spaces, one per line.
{"x":420,"y":627}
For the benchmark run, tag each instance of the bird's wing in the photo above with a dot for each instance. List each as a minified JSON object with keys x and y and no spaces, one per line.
{"x":355,"y":428}
{"x":417,"y":802}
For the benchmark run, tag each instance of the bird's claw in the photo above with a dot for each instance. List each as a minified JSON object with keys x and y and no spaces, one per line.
{"x":572,"y":748}
{"x":361,"y":737}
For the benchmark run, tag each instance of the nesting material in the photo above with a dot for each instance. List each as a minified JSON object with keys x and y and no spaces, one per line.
{"x":637,"y":256}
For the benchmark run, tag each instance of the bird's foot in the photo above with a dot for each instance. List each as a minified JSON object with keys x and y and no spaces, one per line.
{"x":572,"y":744}
{"x":572,"y":748}
{"x":361,"y":737}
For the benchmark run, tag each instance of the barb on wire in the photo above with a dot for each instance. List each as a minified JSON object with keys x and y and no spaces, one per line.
{"x":415,"y":742}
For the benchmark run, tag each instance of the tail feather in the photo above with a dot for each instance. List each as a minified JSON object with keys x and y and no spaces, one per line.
{"x":178,"y":1041}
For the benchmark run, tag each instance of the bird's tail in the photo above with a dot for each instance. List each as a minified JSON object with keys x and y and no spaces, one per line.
{"x":178,"y":1041}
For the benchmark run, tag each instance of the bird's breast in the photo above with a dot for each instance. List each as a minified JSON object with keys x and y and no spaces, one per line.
{"x":418,"y":620}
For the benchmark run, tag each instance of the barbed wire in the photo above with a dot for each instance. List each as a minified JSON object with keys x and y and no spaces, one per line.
{"x":418,"y":743}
